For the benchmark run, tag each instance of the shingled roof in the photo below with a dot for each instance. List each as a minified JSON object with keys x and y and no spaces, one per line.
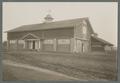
{"x":52,"y":25}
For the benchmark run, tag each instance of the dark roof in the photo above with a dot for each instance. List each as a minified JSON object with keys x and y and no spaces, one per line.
{"x":102,"y":40}
{"x":51,"y":25}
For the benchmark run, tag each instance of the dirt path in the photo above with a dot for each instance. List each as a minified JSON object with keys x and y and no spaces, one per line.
{"x":48,"y":74}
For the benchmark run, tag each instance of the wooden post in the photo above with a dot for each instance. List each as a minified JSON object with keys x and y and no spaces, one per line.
{"x":8,"y":44}
{"x":17,"y":44}
{"x":90,"y":45}
{"x":55,"y":45}
{"x":41,"y":44}
{"x":37,"y":45}
{"x":72,"y":44}
{"x":75,"y":45}
{"x":24,"y":44}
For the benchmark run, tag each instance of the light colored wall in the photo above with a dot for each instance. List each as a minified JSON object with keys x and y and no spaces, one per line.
{"x":84,"y":38}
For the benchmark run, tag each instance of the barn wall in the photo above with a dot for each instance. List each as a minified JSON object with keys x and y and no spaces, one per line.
{"x":66,"y":33}
{"x":97,"y":46}
{"x":108,"y":48}
{"x":81,"y":46}
{"x":78,"y":30}
{"x":64,"y":45}
{"x":19,"y":35}
{"x":79,"y":36}
{"x":59,"y":33}
{"x":52,"y":33}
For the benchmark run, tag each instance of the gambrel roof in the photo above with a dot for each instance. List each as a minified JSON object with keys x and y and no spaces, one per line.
{"x":52,"y":25}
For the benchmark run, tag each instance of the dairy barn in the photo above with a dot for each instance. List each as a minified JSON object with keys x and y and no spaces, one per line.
{"x":72,"y":35}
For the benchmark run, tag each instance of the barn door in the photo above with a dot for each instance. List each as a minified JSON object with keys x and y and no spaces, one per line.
{"x":79,"y":46}
{"x":32,"y":44}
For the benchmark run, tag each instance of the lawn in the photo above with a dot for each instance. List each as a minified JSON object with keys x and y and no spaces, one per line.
{"x":91,"y":66}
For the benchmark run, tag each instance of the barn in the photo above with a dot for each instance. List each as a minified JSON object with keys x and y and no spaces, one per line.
{"x":72,"y":35}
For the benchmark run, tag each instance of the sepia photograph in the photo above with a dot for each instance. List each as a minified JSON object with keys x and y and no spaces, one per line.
{"x":60,"y":41}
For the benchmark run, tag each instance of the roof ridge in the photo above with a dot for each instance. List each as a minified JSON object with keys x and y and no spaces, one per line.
{"x":51,"y":25}
{"x":59,"y":21}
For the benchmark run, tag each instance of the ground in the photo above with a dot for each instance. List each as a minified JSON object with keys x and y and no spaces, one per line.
{"x":90,"y":66}
{"x":18,"y":71}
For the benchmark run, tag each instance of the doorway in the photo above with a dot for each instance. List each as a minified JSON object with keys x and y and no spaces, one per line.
{"x":33,"y":46}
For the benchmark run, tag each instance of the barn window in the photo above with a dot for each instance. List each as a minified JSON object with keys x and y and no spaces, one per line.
{"x":63,"y":41}
{"x":12,"y":41}
{"x":84,"y":22}
{"x":84,"y":29}
{"x":48,"y":41}
{"x":21,"y":41}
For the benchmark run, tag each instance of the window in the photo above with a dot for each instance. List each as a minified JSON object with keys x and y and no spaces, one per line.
{"x":21,"y":41}
{"x":84,"y":22}
{"x":84,"y":29}
{"x":48,"y":41}
{"x":12,"y":41}
{"x":63,"y":41}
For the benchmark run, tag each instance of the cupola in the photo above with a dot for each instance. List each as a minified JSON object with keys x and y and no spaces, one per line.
{"x":48,"y":18}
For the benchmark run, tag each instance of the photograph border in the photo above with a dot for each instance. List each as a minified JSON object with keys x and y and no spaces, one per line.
{"x":37,"y":81}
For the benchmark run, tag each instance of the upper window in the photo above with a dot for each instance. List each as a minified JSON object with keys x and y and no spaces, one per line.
{"x":84,"y":29}
{"x":84,"y":22}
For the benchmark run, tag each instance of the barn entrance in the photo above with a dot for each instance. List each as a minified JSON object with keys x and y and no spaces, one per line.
{"x":31,"y":41}
{"x":79,"y":46}
{"x":32,"y":44}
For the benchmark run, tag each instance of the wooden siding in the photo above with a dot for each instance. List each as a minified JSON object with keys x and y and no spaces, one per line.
{"x":53,"y":33}
{"x":59,"y":33}
{"x":48,"y":47}
{"x":96,"y":45}
{"x":78,"y":31}
{"x":84,"y":38}
{"x":98,"y":48}
{"x":63,"y":48}
{"x":73,"y":34}
{"x":19,"y":35}
{"x":63,"y":45}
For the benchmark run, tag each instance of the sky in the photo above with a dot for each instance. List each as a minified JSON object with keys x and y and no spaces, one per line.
{"x":103,"y":16}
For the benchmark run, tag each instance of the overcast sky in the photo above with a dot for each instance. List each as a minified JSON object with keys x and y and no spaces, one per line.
{"x":103,"y":16}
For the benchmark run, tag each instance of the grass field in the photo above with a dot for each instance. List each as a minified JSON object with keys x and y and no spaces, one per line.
{"x":92,"y":66}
